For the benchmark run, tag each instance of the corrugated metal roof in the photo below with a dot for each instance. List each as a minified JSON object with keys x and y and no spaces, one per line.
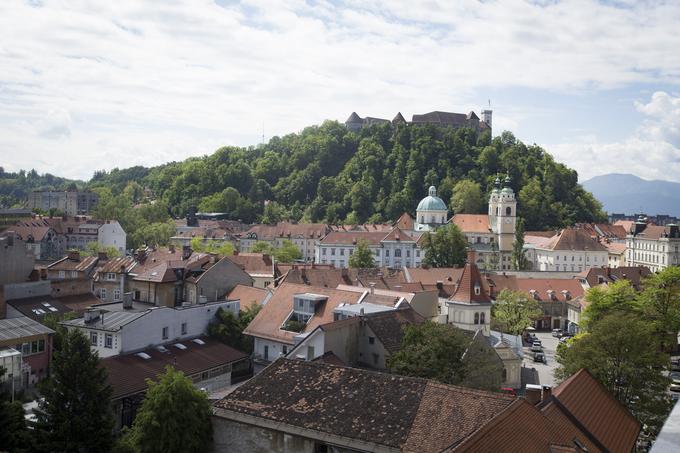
{"x":110,"y":320}
{"x":15,"y":328}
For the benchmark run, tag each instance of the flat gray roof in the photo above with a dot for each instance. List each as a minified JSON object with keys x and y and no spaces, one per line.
{"x":110,"y":321}
{"x":16,"y":328}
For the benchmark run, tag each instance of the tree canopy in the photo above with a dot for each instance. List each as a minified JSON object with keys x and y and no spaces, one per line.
{"x":513,"y":312}
{"x":468,"y":198}
{"x":75,"y":414}
{"x":173,"y":418}
{"x":362,"y":256}
{"x":446,"y":247}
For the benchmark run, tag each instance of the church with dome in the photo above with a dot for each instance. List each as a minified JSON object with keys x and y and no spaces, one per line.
{"x":490,"y":235}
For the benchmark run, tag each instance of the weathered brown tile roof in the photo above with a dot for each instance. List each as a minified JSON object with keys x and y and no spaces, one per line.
{"x":625,"y":224}
{"x":268,"y":322}
{"x":373,"y":238}
{"x":288,"y":230}
{"x":571,"y":239}
{"x":364,"y":227}
{"x":120,"y":264}
{"x":127,"y":374}
{"x":248,"y":295}
{"x":405,"y":222}
{"x":471,"y":223}
{"x":586,"y":399}
{"x":540,"y":288}
{"x":654,"y":232}
{"x":38,"y":307}
{"x":384,"y":409}
{"x":82,"y":264}
{"x":389,"y":327}
{"x":430,"y":276}
{"x":161,"y":273}
{"x":470,"y":279}
{"x":634,"y":274}
{"x":615,"y":248}
{"x":253,"y":263}
{"x":383,"y":278}
{"x":397,"y":234}
{"x":438,"y":117}
{"x":26,"y":233}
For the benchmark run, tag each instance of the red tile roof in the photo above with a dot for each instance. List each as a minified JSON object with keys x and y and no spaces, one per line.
{"x":471,"y":223}
{"x":128,"y":373}
{"x":598,"y":411}
{"x":288,"y":230}
{"x":405,"y":222}
{"x":253,"y":263}
{"x":248,"y":295}
{"x":571,"y":239}
{"x":472,"y":287}
{"x":353,"y":237}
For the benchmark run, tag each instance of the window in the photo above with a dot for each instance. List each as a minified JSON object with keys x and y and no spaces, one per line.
{"x":418,"y":253}
{"x":482,"y":317}
{"x":102,"y":293}
{"x":62,"y":274}
{"x":323,"y":251}
{"x":93,"y":338}
{"x":342,"y":252}
{"x":74,"y":274}
{"x":397,"y":253}
{"x":310,"y":352}
{"x":285,"y":349}
{"x":476,"y":318}
{"x":408,"y":253}
{"x":387,"y":253}
{"x":508,"y":211}
{"x":165,"y":333}
{"x":111,"y":276}
{"x":371,"y":340}
{"x":108,"y":341}
{"x":116,"y":294}
{"x":184,"y":328}
{"x":332,"y":251}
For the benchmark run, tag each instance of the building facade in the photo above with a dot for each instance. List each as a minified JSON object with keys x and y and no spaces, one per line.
{"x":656,"y":247}
{"x":68,"y":202}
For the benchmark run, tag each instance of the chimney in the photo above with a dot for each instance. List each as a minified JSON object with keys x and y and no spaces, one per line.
{"x":566,"y":294}
{"x":102,"y":256}
{"x":470,"y":256}
{"x":372,"y":285}
{"x":533,"y":394}
{"x":547,"y":391}
{"x":127,"y":301}
{"x":74,"y":255}
{"x":186,"y":252}
{"x":440,"y":285}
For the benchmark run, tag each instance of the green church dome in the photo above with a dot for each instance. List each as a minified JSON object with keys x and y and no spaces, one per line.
{"x":432,"y":202}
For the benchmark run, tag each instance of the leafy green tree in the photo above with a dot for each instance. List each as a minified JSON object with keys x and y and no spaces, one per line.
{"x":660,"y":301}
{"x":173,"y":418}
{"x":362,"y":256}
{"x":467,"y":198}
{"x":133,"y":191}
{"x":229,"y":329}
{"x":75,"y":414}
{"x":274,"y":213}
{"x":437,"y":351}
{"x":620,"y":350}
{"x":221,"y":248}
{"x":262,"y":247}
{"x":519,"y":259}
{"x":287,"y":253}
{"x":513,"y":312}
{"x":446,"y":247}
{"x":618,"y":297}
{"x":14,"y":435}
{"x":93,"y":248}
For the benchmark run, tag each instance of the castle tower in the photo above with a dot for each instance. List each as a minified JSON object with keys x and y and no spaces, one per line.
{"x":486,"y":117}
{"x":506,"y":217}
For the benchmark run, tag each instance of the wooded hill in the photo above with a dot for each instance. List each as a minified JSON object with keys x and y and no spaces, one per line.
{"x":329,"y":174}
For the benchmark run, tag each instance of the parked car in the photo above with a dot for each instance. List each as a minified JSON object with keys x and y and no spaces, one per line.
{"x":539,"y":357}
{"x":536,"y":347}
{"x":675,"y":364}
{"x":557,"y":333}
{"x":537,"y":342}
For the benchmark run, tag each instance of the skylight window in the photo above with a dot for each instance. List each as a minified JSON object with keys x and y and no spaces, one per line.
{"x":143,"y":355}
{"x":180,"y":346}
{"x":198,"y":341}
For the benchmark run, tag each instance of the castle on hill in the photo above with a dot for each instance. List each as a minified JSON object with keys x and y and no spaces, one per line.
{"x":455,"y":120}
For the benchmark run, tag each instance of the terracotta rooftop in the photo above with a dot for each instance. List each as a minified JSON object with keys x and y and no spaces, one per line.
{"x":383,"y":278}
{"x":430,"y":276}
{"x":28,"y":233}
{"x":471,"y":223}
{"x":586,"y":399}
{"x":253,"y":263}
{"x":287,"y":230}
{"x":373,"y":238}
{"x":541,"y":289}
{"x":268,"y":322}
{"x":120,"y":264}
{"x":389,"y":327}
{"x":248,"y":295}
{"x":128,"y":373}
{"x":387,"y":410}
{"x":598,"y":275}
{"x":472,"y":287}
{"x":405,"y":222}
{"x":82,"y":264}
{"x":571,"y":239}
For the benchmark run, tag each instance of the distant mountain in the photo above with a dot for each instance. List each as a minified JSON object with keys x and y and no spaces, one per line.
{"x":629,"y":194}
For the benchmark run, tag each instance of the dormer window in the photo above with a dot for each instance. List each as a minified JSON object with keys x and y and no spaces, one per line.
{"x":478,"y":289}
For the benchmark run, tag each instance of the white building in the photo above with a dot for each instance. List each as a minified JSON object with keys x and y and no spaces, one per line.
{"x":114,"y":329}
{"x":305,"y":236}
{"x":569,"y":250}
{"x":469,"y":307}
{"x":656,"y":247}
{"x":111,"y":234}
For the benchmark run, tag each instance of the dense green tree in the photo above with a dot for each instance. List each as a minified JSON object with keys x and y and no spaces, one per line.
{"x":617,"y":297}
{"x":274,"y":213}
{"x":287,"y":252}
{"x":620,"y":350}
{"x":75,"y":414}
{"x":519,"y":259}
{"x":362,"y":256}
{"x":14,"y":435}
{"x":229,"y":329}
{"x":467,"y":198}
{"x":660,"y":302}
{"x":173,"y":418}
{"x":446,"y":247}
{"x":262,"y":247}
{"x":93,"y":248}
{"x":437,"y":351}
{"x":513,"y":312}
{"x":222,"y":248}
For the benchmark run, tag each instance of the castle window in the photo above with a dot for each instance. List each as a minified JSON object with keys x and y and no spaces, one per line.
{"x":476,"y":318}
{"x":481,"y":318}
{"x":508,"y":211}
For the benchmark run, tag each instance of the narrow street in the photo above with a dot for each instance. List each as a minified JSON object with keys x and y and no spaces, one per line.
{"x":545,"y":370}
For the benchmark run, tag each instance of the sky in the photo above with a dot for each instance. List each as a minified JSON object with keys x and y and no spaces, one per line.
{"x":86,"y":86}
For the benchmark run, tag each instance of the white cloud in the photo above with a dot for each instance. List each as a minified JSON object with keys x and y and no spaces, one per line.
{"x":87,"y":85}
{"x":651,"y":152}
